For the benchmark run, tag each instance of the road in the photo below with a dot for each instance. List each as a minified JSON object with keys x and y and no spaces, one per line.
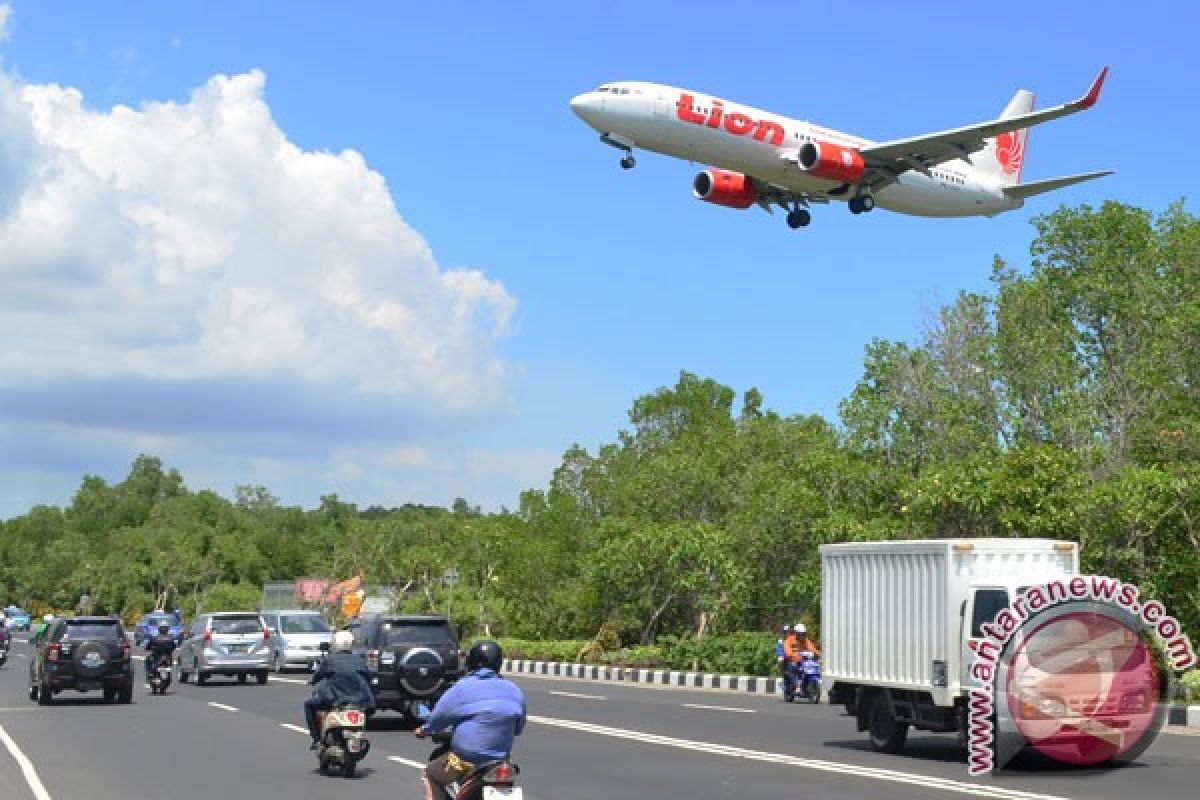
{"x":584,"y":741}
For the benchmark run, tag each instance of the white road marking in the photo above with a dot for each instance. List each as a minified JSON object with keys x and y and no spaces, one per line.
{"x":222,"y":706}
{"x":23,"y":655}
{"x":31,"y":776}
{"x":407,"y":762}
{"x":893,"y":776}
{"x":276,"y":678}
{"x":15,"y":710}
{"x":721,"y":708}
{"x":580,"y":696}
{"x":292,"y":727}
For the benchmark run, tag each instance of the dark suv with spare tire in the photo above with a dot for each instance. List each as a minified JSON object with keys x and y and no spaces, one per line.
{"x":83,"y":654}
{"x":412,"y":659}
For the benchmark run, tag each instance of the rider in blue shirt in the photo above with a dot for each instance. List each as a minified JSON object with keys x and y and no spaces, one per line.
{"x":486,"y":712}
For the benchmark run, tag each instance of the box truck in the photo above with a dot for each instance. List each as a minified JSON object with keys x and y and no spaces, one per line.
{"x":896,"y":618}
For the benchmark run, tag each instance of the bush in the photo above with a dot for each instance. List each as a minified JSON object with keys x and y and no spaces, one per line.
{"x":1189,"y":686}
{"x":750,"y":653}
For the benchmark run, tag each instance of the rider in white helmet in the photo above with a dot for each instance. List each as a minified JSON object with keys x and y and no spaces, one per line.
{"x":802,"y":641}
{"x":341,"y":679}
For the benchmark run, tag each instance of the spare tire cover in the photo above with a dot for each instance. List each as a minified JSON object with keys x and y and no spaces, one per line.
{"x":91,"y":659}
{"x":420,"y":671}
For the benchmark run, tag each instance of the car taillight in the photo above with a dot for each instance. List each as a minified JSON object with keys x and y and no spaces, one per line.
{"x":501,"y":773}
{"x":52,"y":653}
{"x":373,"y":659}
{"x":207,"y":637}
{"x":266,"y":634}
{"x":124,"y":650}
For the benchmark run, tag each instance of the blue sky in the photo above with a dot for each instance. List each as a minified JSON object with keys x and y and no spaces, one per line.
{"x":500,"y":288}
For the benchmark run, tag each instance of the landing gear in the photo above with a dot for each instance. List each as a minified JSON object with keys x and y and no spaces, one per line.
{"x":621,"y":143}
{"x":861,"y":204}
{"x":798,"y":218}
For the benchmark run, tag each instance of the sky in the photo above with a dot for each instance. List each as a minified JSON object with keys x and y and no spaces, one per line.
{"x":367,"y":249}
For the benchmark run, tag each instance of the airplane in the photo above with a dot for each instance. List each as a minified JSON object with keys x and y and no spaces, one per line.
{"x":770,"y":160}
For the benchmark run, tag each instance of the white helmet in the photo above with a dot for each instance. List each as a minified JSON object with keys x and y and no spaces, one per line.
{"x":47,"y":617}
{"x":343,"y":640}
{"x":800,"y":629}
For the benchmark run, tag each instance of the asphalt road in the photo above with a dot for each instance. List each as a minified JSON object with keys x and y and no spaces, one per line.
{"x":584,"y":741}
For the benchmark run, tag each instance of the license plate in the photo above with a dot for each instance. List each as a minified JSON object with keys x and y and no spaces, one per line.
{"x":498,"y":793}
{"x":238,"y":648}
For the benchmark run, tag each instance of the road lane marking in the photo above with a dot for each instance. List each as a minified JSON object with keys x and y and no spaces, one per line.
{"x":31,"y":776}
{"x":222,"y":706}
{"x":580,"y":696}
{"x":721,"y":708}
{"x":782,"y":759}
{"x":292,"y":727}
{"x":275,"y":678}
{"x":15,"y":710}
{"x":407,"y":762}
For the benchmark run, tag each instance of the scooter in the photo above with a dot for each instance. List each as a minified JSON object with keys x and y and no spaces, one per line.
{"x":160,"y":676}
{"x":493,"y":780}
{"x":4,"y":645}
{"x":809,"y":676}
{"x":343,"y":741}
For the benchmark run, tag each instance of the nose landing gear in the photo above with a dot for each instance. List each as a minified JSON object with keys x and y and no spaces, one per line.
{"x":621,"y":143}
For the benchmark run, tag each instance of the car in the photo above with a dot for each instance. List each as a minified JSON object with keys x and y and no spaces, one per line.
{"x":296,"y":637}
{"x":412,"y":659}
{"x":18,"y":618}
{"x":234,"y":643}
{"x":83,"y":654}
{"x":147,"y":627}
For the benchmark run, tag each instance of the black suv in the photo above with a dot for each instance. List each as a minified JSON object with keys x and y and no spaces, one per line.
{"x":412,"y":659}
{"x":82,"y":653}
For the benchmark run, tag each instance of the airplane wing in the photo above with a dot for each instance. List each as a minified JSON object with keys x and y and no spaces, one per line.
{"x":885,"y":162}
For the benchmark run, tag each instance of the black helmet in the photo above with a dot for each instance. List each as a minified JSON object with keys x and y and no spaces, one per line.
{"x":164,"y":629}
{"x":485,"y":653}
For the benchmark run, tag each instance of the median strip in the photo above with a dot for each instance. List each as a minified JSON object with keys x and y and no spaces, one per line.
{"x":782,"y":759}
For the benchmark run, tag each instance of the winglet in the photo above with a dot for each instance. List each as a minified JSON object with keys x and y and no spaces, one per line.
{"x":1089,"y":99}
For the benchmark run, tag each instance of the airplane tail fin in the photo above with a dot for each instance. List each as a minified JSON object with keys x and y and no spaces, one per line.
{"x":1004,"y":155}
{"x":1038,"y":187}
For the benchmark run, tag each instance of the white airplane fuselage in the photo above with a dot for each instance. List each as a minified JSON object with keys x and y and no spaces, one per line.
{"x":739,"y":138}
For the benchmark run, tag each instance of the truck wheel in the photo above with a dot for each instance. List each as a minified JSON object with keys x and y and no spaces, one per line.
{"x":888,"y":734}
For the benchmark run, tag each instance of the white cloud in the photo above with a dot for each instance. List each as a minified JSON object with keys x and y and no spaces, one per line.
{"x":193,"y":243}
{"x":181,"y":279}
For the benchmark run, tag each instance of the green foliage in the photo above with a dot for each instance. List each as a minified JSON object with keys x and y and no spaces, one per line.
{"x":1189,"y":685}
{"x":735,"y":654}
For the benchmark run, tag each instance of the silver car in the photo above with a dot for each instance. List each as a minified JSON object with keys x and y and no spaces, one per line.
{"x":226,"y":643}
{"x":296,"y":637}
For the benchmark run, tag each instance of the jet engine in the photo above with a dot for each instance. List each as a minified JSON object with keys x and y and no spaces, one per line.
{"x":831,"y":161}
{"x":730,"y":189}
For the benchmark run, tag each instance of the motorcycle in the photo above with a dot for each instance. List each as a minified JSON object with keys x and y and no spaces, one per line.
{"x":493,"y":780}
{"x":160,"y":676}
{"x":809,"y":677}
{"x":343,"y":742}
{"x":4,"y":646}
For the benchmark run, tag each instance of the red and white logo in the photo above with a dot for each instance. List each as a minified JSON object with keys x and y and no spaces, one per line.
{"x":1010,"y":151}
{"x":1083,"y":688}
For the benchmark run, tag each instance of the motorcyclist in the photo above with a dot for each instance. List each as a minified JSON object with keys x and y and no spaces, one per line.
{"x":341,"y":679}
{"x":40,"y":628}
{"x":803,"y":642}
{"x":162,"y":645}
{"x":486,"y":712}
{"x":785,"y":672}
